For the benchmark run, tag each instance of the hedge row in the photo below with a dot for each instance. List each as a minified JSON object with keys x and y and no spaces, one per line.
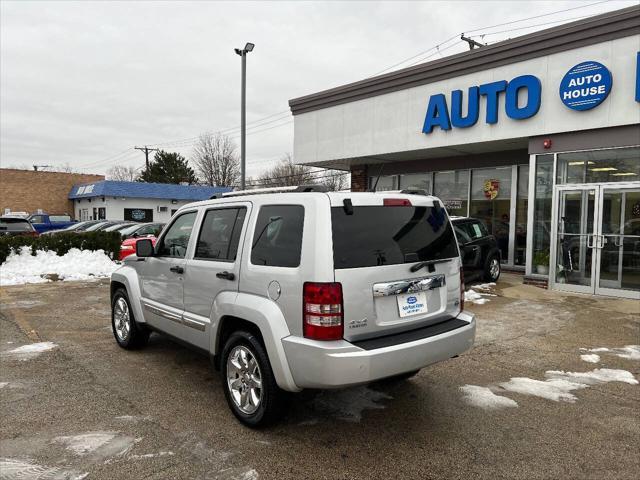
{"x":61,"y":243}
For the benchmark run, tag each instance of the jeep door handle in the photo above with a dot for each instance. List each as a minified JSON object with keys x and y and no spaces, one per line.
{"x":226,"y":275}
{"x":177,"y":269}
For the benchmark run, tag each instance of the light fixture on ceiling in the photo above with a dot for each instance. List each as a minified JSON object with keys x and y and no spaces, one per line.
{"x":603,"y":169}
{"x":623,"y":174}
{"x":580,"y":163}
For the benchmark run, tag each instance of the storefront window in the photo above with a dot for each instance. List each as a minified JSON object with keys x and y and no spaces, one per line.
{"x":542,"y":214}
{"x":453,"y":189}
{"x":614,"y":165}
{"x":521,"y":215}
{"x":491,"y":203}
{"x":420,"y":181}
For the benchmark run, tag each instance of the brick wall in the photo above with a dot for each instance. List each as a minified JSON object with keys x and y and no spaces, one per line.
{"x":359,"y":178}
{"x":28,"y":191}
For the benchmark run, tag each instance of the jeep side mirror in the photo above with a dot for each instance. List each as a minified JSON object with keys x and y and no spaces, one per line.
{"x":144,"y":248}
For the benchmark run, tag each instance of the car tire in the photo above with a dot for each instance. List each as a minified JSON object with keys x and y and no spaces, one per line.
{"x":244,"y":365}
{"x":128,"y":333}
{"x":492,"y":269}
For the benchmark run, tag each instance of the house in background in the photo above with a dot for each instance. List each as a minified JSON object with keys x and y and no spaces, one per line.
{"x":136,"y":201}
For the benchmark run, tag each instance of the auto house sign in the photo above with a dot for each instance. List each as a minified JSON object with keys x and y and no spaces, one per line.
{"x":585,"y":86}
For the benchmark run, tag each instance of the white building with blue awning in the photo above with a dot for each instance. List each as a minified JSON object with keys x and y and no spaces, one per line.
{"x":135,"y":201}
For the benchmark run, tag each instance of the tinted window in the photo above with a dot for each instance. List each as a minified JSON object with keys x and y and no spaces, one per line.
{"x":475,"y":230}
{"x":220,"y":234}
{"x":378,"y":235}
{"x":461,"y":234}
{"x":37,"y":219}
{"x":277,"y":240}
{"x":15,"y":225}
{"x":59,"y":218}
{"x":175,"y":242}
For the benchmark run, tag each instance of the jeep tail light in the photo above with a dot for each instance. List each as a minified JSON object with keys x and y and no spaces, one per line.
{"x":322,"y":316}
{"x":396,"y":202}
{"x":461,"y":290}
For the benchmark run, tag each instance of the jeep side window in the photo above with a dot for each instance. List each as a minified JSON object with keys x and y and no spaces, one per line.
{"x":277,"y":239}
{"x":220,"y":234}
{"x":175,"y":242}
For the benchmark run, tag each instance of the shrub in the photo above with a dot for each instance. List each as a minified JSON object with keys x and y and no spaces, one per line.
{"x":61,"y":243}
{"x":541,"y":257}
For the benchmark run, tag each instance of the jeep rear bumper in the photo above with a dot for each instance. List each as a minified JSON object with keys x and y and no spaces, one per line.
{"x":335,"y":364}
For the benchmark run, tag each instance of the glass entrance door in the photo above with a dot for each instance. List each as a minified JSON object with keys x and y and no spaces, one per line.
{"x":596,"y":241}
{"x":618,"y":269}
{"x":575,"y":236}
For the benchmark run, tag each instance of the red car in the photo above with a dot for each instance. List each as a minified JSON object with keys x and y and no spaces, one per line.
{"x":128,"y":246}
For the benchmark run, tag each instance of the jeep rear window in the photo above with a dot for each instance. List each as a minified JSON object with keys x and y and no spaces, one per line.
{"x":15,"y":225}
{"x":386,"y":235}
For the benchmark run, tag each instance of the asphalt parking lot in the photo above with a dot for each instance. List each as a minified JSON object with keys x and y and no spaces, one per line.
{"x":84,"y":408}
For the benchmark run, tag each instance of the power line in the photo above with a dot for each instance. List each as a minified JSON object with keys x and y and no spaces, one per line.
{"x":530,"y":26}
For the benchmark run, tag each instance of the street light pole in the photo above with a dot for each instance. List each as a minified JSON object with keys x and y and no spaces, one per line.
{"x":243,"y":107}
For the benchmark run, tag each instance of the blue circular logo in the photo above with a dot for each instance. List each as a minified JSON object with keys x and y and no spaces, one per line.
{"x":585,"y":86}
{"x":411,"y":300}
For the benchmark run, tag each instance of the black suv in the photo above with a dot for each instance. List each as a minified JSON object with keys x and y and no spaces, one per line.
{"x":478,"y":249}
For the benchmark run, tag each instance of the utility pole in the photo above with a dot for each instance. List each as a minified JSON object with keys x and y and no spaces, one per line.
{"x":472,"y":43}
{"x":146,"y":151}
{"x":243,"y":106}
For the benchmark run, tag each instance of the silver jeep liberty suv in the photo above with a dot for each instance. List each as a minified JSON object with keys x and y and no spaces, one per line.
{"x":299,"y":288}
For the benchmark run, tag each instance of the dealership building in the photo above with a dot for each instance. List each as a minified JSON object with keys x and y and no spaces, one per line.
{"x":538,"y":136}
{"x":135,"y":201}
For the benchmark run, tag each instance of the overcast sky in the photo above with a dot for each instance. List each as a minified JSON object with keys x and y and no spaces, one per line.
{"x":82,"y":82}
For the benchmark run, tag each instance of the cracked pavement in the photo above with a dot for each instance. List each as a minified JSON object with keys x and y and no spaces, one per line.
{"x":88,"y":409}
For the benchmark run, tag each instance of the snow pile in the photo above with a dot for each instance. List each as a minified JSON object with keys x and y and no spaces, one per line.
{"x":478,"y":292}
{"x":29,"y":351}
{"x":483,"y":397}
{"x":22,"y":267}
{"x":590,"y":357}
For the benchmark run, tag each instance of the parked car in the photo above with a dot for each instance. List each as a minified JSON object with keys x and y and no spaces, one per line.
{"x":43,"y":222}
{"x":128,"y":246}
{"x":13,"y":226}
{"x":298,"y":290}
{"x":118,"y":226}
{"x":76,"y":227}
{"x":142,"y":230}
{"x":101,"y":225}
{"x":478,"y":249}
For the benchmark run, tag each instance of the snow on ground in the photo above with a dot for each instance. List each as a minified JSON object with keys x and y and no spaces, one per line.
{"x":590,"y":357}
{"x":599,"y":375}
{"x":3,"y":384}
{"x":477,"y":293}
{"x":474,"y":297}
{"x":26,"y":352}
{"x":11,"y":468}
{"x":553,"y":389}
{"x":105,"y":444}
{"x":22,"y":267}
{"x":630,"y":352}
{"x":483,"y":397}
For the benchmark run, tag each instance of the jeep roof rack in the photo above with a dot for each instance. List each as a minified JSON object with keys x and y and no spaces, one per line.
{"x":257,"y":191}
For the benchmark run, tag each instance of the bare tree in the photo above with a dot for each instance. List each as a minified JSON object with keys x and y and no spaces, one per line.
{"x":286,"y":173}
{"x":122,"y":173}
{"x":335,"y":180}
{"x":216,"y":160}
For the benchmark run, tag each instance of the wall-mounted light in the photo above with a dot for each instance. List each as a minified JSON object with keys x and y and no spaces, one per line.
{"x":546,"y":143}
{"x":174,"y":201}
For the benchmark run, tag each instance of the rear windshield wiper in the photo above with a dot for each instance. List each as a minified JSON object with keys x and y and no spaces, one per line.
{"x":418,"y":266}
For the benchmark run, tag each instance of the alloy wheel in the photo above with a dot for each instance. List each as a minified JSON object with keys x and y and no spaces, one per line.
{"x":244,"y":379}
